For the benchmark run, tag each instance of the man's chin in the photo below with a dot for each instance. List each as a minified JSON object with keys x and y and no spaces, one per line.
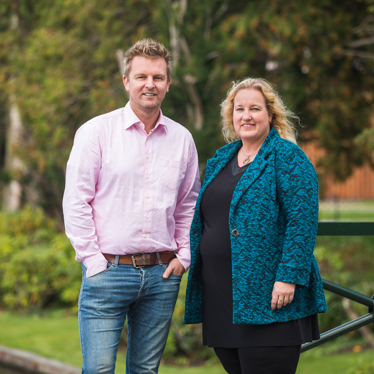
{"x":151,"y":105}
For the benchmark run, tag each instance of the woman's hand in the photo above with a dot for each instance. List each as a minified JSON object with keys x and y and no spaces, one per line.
{"x":282,"y":294}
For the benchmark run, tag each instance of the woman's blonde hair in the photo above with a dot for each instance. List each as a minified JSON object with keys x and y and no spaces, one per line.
{"x":282,"y":117}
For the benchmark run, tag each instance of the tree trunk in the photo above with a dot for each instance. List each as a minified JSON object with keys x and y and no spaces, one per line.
{"x":13,"y":191}
{"x":364,"y":331}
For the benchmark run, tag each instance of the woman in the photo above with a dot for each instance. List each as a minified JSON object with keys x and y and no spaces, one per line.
{"x":253,"y":280}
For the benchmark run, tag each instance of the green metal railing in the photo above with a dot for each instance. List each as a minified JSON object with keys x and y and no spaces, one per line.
{"x":345,"y":229}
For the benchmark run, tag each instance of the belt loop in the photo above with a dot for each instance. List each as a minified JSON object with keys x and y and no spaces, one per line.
{"x":116,"y":260}
{"x":159,"y":258}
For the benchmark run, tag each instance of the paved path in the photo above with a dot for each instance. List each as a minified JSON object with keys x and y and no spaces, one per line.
{"x":32,"y":363}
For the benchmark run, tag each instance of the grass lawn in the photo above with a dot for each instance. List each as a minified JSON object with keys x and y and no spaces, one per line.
{"x":55,"y":335}
{"x":360,"y":211}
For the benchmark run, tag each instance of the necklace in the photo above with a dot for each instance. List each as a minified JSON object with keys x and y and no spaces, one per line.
{"x":247,"y":159}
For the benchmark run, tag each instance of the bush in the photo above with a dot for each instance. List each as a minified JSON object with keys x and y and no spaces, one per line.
{"x":346,"y":261}
{"x":184,"y":343}
{"x":362,"y":367}
{"x":37,"y":267}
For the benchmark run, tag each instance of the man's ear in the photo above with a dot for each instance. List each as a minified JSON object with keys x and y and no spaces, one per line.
{"x":167,"y":90}
{"x":126,"y":82}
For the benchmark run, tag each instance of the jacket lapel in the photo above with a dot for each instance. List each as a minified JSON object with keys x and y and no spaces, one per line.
{"x":254,"y":170}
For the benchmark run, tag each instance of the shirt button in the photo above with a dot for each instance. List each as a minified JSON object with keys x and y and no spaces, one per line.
{"x":235,"y":232}
{"x":147,"y":216}
{"x":145,"y":236}
{"x":147,"y":196}
{"x":147,"y":157}
{"x":147,"y":176}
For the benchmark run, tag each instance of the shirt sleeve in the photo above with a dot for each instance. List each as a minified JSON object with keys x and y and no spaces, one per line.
{"x":82,"y":173}
{"x":185,"y":207}
{"x":297,"y":191}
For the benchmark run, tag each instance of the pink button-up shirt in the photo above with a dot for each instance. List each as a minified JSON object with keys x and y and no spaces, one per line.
{"x":128,"y":191}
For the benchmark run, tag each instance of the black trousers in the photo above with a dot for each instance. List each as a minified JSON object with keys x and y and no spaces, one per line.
{"x":259,"y":360}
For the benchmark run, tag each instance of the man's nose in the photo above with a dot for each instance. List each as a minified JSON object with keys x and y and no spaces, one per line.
{"x":150,"y":83}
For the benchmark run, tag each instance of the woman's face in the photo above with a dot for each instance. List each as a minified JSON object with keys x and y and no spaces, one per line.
{"x":250,"y":116}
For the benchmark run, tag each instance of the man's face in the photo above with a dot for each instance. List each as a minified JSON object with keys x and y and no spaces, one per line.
{"x":147,"y":84}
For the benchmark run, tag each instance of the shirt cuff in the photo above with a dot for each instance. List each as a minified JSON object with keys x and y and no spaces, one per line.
{"x":95,"y":264}
{"x":184,"y":257}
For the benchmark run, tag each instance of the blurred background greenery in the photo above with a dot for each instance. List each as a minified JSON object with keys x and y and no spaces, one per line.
{"x":60,"y":65}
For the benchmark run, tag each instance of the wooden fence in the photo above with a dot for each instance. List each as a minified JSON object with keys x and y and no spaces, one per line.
{"x":359,"y":186}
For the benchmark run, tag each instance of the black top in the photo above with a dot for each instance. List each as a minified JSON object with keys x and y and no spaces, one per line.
{"x":215,"y":251}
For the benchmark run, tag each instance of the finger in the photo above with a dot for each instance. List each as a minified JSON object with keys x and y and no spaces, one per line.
{"x":274,"y":301}
{"x":280,"y":303}
{"x":177,"y":267}
{"x":289,"y":298}
{"x":167,"y":272}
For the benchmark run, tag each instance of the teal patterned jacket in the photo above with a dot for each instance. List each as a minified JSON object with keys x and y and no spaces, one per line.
{"x":273,"y":223}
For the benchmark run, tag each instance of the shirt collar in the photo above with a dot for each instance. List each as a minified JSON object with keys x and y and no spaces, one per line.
{"x":131,"y":119}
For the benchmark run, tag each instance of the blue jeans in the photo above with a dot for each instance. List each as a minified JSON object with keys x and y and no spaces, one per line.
{"x":148,"y":301}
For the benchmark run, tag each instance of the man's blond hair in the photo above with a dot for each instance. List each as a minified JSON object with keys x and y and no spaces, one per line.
{"x":147,"y":48}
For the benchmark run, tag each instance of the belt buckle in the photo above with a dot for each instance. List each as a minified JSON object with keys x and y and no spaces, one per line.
{"x":134,"y":260}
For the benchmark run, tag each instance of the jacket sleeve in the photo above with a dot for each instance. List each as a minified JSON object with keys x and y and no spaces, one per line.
{"x":297,"y":192}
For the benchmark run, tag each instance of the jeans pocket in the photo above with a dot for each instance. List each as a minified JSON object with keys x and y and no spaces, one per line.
{"x":176,"y":275}
{"x":109,"y":267}
{"x":165,"y":266}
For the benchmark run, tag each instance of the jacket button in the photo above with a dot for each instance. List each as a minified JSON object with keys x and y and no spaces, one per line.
{"x":235,"y":232}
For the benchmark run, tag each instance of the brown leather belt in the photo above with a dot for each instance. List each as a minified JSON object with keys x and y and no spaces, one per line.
{"x":139,"y":260}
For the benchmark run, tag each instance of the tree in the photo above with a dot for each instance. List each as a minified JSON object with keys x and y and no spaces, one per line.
{"x":65,"y":58}
{"x":64,"y":71}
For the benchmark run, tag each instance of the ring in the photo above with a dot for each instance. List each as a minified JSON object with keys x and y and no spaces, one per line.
{"x":280,"y":299}
{"x":285,"y":299}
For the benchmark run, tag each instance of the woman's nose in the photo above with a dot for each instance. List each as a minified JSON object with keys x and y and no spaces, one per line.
{"x":247,"y":115}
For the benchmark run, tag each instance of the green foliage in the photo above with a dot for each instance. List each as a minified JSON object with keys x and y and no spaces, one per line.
{"x":37,"y":268}
{"x":366,"y":140}
{"x":344,"y":261}
{"x":61,"y":64}
{"x":184,"y":344}
{"x":362,"y":367}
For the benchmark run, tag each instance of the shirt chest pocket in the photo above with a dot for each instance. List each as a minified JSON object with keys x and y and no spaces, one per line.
{"x":171,"y":173}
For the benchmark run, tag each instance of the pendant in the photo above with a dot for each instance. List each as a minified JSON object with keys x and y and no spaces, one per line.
{"x":246,"y":160}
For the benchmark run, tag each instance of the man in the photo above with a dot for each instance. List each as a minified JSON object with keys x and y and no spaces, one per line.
{"x":131,"y":185}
